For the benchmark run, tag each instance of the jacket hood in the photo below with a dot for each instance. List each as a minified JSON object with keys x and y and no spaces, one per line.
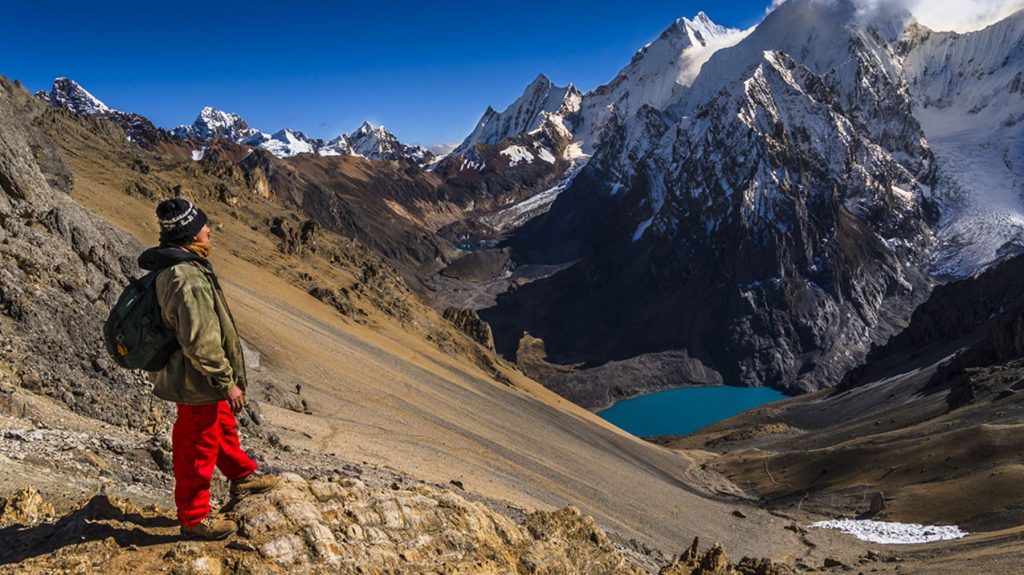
{"x":165,"y":256}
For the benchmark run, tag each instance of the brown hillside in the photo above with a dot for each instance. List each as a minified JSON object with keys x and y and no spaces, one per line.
{"x":378,"y":387}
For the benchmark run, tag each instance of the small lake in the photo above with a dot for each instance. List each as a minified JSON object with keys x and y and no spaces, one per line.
{"x":687,"y":409}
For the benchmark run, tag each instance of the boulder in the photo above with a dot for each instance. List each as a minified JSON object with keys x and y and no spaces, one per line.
{"x":470,"y":323}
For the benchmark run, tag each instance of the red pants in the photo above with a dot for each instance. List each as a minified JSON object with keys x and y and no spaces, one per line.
{"x":204,"y":436}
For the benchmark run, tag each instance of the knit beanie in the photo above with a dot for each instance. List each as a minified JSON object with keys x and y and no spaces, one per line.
{"x":180,"y":221}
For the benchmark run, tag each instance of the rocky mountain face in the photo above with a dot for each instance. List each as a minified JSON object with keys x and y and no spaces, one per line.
{"x":69,"y":95}
{"x":212,"y":123}
{"x":771,"y":220}
{"x":516,"y":162}
{"x":388,"y":206}
{"x":978,"y":321}
{"x":63,"y":269}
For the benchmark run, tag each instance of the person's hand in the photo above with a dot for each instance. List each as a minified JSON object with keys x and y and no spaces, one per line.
{"x":236,"y":399}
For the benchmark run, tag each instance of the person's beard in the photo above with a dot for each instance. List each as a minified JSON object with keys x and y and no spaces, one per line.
{"x":201,"y":249}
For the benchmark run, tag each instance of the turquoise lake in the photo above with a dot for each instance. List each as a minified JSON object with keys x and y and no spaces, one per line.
{"x":680,"y":411}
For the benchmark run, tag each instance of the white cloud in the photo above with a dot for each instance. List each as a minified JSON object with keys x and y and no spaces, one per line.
{"x":959,"y":15}
{"x":963,"y":16}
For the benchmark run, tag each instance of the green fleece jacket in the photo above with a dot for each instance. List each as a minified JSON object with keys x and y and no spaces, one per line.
{"x":210,"y":359}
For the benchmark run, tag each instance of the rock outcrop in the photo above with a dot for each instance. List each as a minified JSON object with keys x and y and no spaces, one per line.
{"x":332,"y":525}
{"x":61,"y":269}
{"x":24,"y":507}
{"x":469,"y":322}
{"x":715,"y":562}
{"x":980,"y":318}
{"x":339,"y":524}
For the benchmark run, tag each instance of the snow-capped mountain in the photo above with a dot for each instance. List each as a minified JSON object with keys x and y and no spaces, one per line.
{"x":656,"y":75}
{"x":283,"y":143}
{"x":339,"y":146}
{"x":68,"y":94}
{"x":377,"y":143}
{"x":213,"y":123}
{"x":527,"y":113}
{"x":968,"y":95}
{"x":771,"y":217}
{"x":548,"y":122}
{"x":515,"y":162}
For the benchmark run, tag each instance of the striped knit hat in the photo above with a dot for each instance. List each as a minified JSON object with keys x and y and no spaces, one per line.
{"x":180,"y":221}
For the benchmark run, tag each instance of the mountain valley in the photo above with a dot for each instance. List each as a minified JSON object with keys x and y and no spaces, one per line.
{"x":830,"y":203}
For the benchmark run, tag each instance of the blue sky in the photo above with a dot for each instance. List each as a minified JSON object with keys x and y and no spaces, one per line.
{"x":426,"y":70}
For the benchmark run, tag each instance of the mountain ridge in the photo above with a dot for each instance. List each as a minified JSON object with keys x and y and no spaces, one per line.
{"x":375,"y":143}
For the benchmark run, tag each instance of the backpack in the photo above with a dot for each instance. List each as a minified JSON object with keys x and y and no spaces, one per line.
{"x":135,"y":333}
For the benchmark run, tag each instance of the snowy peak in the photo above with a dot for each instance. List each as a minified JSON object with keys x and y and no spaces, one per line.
{"x":367,"y":130}
{"x":372,"y":142}
{"x":946,"y":66}
{"x":657,"y":75}
{"x":527,"y":113}
{"x":817,"y":34}
{"x":701,"y":30}
{"x":339,"y":146}
{"x":68,"y":94}
{"x":368,"y":141}
{"x":283,"y":143}
{"x":377,"y":143}
{"x":213,"y":123}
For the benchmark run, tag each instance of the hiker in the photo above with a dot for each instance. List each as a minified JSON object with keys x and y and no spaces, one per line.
{"x":205,"y":377}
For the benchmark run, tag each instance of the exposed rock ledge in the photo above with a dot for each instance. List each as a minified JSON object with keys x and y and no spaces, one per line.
{"x":334,"y":525}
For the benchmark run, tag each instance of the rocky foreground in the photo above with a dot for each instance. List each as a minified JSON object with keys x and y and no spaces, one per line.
{"x":333,"y":524}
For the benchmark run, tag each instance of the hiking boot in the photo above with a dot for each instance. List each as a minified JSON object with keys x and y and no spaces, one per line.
{"x":252,"y":484}
{"x":210,"y":529}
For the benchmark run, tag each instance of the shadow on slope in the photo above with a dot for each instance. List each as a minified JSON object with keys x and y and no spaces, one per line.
{"x":930,"y":427}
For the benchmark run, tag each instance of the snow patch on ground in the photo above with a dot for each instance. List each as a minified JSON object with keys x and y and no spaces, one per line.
{"x":892,"y":533}
{"x":546,"y":155}
{"x":905,"y":196}
{"x":198,"y":154}
{"x":471,"y":165}
{"x":516,"y":154}
{"x":574,"y":151}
